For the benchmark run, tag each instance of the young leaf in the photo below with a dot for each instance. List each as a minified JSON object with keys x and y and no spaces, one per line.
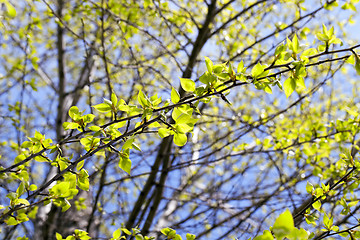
{"x":70,"y":125}
{"x":168,"y":232}
{"x":163,"y":132}
{"x":58,"y":236}
{"x":209,"y":64}
{"x":240,"y":67}
{"x":73,"y":112}
{"x":32,"y":187}
{"x":357,"y":64}
{"x":309,"y":187}
{"x":295,"y":44}
{"x":190,"y":236}
{"x":183,"y":118}
{"x":128,"y":144}
{"x":283,"y":225}
{"x":125,"y":163}
{"x":103,"y":107}
{"x":265,"y":236}
{"x":257,"y":70}
{"x":11,"y":11}
{"x":289,"y":86}
{"x":142,"y":99}
{"x":268,"y":89}
{"x":180,"y":139}
{"x":95,"y":128}
{"x":175,"y":96}
{"x":117,"y":233}
{"x":317,"y":205}
{"x":114,"y":99}
{"x":187,"y":84}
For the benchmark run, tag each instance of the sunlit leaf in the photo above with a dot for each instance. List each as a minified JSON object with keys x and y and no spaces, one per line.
{"x":180,"y":139}
{"x":357,"y":64}
{"x":289,"y":86}
{"x":257,"y":70}
{"x":209,"y":64}
{"x":114,"y":99}
{"x":103,"y":107}
{"x":125,"y":163}
{"x":283,"y":225}
{"x":175,"y":96}
{"x":11,"y":11}
{"x":163,"y":132}
{"x":187,"y":84}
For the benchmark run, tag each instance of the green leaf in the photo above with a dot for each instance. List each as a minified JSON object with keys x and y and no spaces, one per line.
{"x":86,"y":141}
{"x":58,"y":236}
{"x":12,"y":196}
{"x":187,"y":84}
{"x":349,"y":6}
{"x":26,"y":144}
{"x":268,"y":89}
{"x":114,"y":99}
{"x":21,"y":189}
{"x":289,"y":86}
{"x":317,"y":205}
{"x":298,"y":234}
{"x":155,"y":100}
{"x":163,"y":132}
{"x":175,"y":96}
{"x":183,"y":118}
{"x":154,"y":125}
{"x":180,"y":139}
{"x":209,"y":64}
{"x":11,"y":11}
{"x":283,"y":225}
{"x":125,"y":163}
{"x":143,"y":100}
{"x":73,"y":112}
{"x":95,"y":128}
{"x":309,"y":187}
{"x":22,"y":201}
{"x":240,"y":67}
{"x":183,"y":127}
{"x":11,"y":221}
{"x":190,"y":236}
{"x":357,"y":64}
{"x":102,"y":107}
{"x":257,"y":70}
{"x":70,"y":125}
{"x":218,"y":68}
{"x":88,"y":118}
{"x":128,"y":144}
{"x":32,"y":187}
{"x":117,"y":233}
{"x":168,"y":232}
{"x":295,"y":44}
{"x":309,"y":52}
{"x":83,"y":180}
{"x":139,"y":237}
{"x":330,"y":6}
{"x":127,"y":232}
{"x":207,"y":78}
{"x":65,"y":205}
{"x":351,"y":59}
{"x":265,"y":236}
